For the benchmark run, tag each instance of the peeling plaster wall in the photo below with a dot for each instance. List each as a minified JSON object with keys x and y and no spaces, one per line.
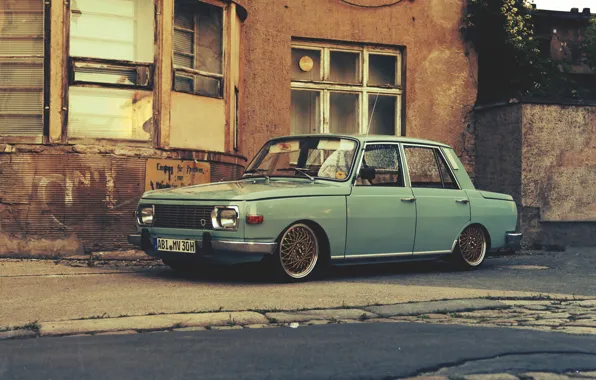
{"x":440,"y":76}
{"x":545,"y":157}
{"x":60,"y":201}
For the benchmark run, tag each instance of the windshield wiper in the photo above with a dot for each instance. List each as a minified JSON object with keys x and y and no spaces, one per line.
{"x":257,"y":170}
{"x":299,"y":170}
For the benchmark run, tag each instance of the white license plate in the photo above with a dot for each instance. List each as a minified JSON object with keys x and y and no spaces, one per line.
{"x":175,"y":245}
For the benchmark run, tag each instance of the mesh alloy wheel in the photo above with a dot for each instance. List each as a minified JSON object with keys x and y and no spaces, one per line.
{"x":472,"y":245}
{"x":299,"y":251}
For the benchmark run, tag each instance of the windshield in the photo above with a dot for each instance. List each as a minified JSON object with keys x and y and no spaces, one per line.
{"x":307,"y":157}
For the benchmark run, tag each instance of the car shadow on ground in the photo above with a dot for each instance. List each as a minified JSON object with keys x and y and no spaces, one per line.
{"x":258,"y":273}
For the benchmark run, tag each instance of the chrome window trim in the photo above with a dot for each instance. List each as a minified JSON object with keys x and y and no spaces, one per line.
{"x":400,"y":157}
{"x":436,"y":147}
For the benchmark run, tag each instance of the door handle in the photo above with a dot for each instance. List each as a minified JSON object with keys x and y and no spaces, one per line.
{"x":462,"y":200}
{"x":408,"y":199}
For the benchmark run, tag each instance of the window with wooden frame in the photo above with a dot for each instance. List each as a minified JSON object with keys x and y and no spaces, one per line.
{"x":198,"y":48}
{"x":345,"y":88}
{"x":22,"y":68}
{"x":111,"y":69}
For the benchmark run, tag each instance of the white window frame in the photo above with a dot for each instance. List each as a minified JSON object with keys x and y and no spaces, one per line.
{"x":325,"y":86}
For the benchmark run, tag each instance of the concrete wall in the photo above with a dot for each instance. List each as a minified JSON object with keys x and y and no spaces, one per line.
{"x":544,"y":155}
{"x":440,"y":86}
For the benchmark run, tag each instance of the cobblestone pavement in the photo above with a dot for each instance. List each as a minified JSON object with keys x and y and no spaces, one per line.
{"x":574,"y":375}
{"x":556,"y":315}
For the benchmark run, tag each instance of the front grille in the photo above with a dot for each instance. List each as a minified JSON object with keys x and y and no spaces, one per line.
{"x":183,"y":216}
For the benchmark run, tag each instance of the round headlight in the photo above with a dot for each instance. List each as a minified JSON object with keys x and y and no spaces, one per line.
{"x":146,"y":215}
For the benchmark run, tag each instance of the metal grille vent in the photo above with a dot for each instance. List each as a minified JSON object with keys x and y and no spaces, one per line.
{"x":182,"y":216}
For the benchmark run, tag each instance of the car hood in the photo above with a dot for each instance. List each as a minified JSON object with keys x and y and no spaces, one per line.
{"x":254,"y":189}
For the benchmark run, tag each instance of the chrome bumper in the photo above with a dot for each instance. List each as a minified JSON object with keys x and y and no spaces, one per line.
{"x":513,"y":240}
{"x":216,"y":245}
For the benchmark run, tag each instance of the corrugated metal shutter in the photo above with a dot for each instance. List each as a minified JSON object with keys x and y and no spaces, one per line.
{"x":54,"y":196}
{"x":225,"y":172}
{"x":21,"y":67}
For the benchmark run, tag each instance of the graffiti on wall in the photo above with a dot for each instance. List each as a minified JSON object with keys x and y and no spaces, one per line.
{"x":171,"y":173}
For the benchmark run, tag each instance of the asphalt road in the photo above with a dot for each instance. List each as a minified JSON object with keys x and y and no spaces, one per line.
{"x":44,"y":291}
{"x":352,"y":351}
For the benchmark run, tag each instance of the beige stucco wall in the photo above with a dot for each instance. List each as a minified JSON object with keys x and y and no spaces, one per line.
{"x":440,"y":84}
{"x":559,"y":161}
{"x":197,"y":122}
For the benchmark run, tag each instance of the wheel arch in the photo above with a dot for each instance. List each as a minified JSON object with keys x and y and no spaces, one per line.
{"x":324,"y":242}
{"x":484,"y":229}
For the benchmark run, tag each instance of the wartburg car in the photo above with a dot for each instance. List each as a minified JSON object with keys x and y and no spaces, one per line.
{"x":305,"y":202}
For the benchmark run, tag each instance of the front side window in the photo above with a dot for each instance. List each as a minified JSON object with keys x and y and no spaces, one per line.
{"x":21,"y":67}
{"x":382,"y":160}
{"x":345,"y":89}
{"x":111,"y":48}
{"x":198,"y":48}
{"x":428,"y":169}
{"x":308,"y":157}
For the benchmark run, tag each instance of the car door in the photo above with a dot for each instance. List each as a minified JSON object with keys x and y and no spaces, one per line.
{"x":381,"y":212}
{"x":443,"y":209}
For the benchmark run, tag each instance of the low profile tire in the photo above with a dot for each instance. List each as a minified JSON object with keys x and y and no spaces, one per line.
{"x":298,"y":256}
{"x":471,"y":247}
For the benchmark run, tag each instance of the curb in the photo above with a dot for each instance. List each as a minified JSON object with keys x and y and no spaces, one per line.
{"x":573,"y":316}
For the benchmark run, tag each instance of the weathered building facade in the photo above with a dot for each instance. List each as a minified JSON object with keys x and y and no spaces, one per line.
{"x":102,"y":100}
{"x":543,"y":151}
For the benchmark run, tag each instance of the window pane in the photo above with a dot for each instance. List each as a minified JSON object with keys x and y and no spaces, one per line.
{"x":21,"y":79}
{"x":184,"y":83}
{"x":183,"y":60}
{"x":306,"y":64}
{"x":210,"y":44}
{"x":343,"y":113}
{"x":305,"y":112}
{"x":110,"y":113}
{"x":112,"y":29}
{"x":448,"y":180}
{"x":197,"y":84}
{"x":383,"y":118}
{"x":114,"y":75}
{"x":382,"y":70}
{"x":385,"y":160}
{"x":345,"y":67}
{"x":183,"y":42}
{"x":423,"y":168}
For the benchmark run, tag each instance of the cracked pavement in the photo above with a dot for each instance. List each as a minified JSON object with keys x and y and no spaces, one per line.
{"x":512,"y":298}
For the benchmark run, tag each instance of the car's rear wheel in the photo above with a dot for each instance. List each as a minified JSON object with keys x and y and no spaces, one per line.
{"x":471,"y":247}
{"x":298,"y":253}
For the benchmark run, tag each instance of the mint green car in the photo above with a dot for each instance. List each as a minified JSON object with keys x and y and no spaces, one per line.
{"x":305,"y":202}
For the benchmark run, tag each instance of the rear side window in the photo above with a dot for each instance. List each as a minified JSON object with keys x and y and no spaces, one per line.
{"x":428,"y":169}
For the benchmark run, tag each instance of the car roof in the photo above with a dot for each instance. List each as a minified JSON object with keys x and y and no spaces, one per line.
{"x":372,"y":138}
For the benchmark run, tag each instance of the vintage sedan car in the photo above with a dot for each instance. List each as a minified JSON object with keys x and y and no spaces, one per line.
{"x":308,"y":201}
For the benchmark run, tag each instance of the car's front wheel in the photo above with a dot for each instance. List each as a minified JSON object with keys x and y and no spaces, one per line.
{"x":471,"y":247}
{"x":298,"y":253}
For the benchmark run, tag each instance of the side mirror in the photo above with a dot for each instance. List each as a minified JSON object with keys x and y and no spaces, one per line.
{"x":367,"y":173}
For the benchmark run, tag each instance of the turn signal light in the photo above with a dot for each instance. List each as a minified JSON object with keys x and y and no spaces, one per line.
{"x":255,"y":219}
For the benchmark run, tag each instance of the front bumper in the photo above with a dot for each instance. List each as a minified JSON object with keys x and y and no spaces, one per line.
{"x":207,"y":245}
{"x":513,"y":240}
